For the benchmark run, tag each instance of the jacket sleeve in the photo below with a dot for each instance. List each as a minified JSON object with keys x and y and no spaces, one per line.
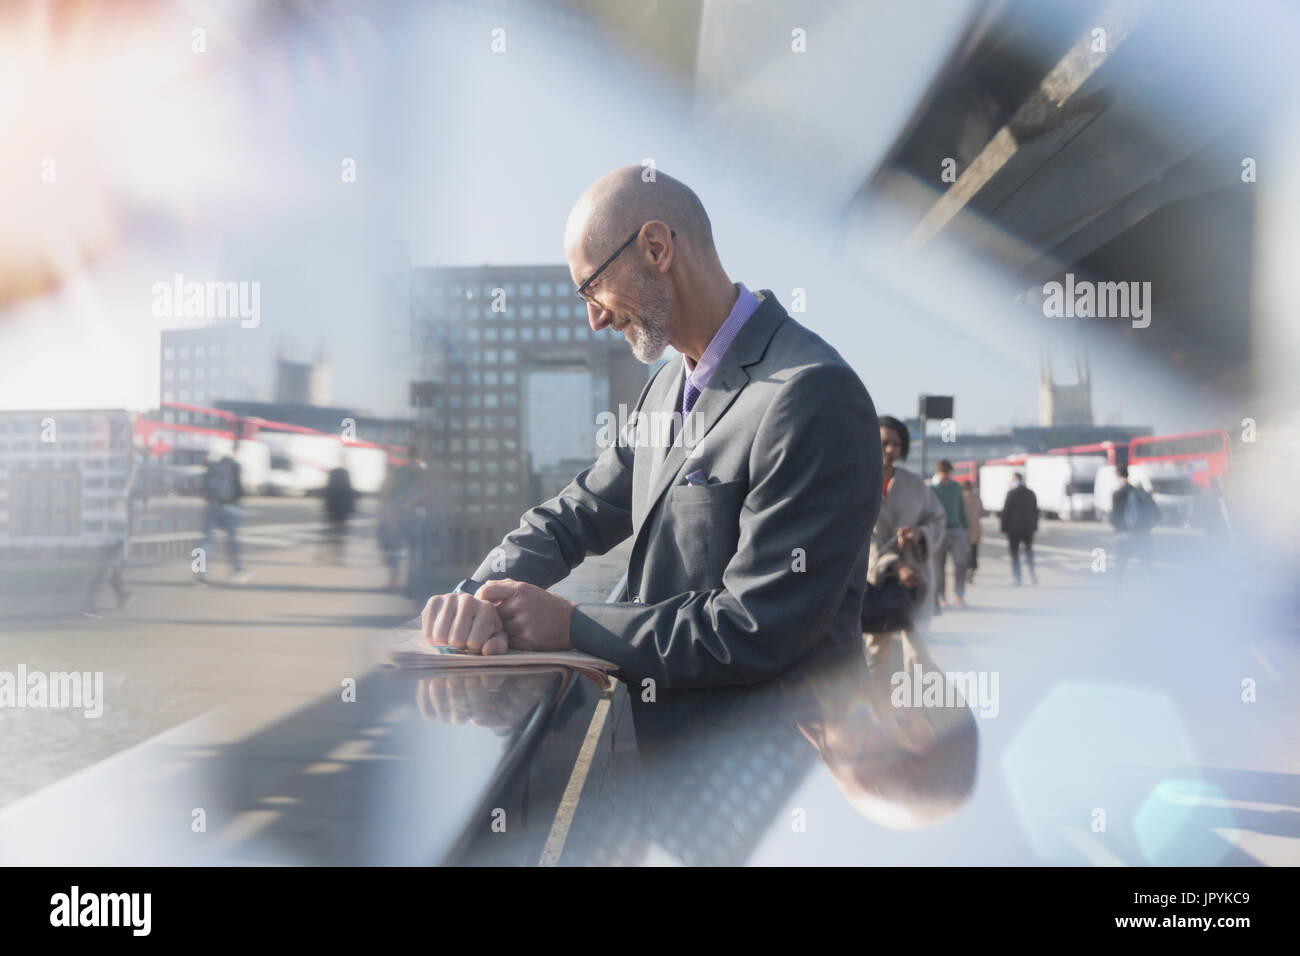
{"x":591,"y":515}
{"x":934,"y":524}
{"x":811,"y":490}
{"x":881,"y":559}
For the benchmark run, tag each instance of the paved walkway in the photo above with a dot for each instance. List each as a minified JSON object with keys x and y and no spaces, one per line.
{"x":1133,"y":706}
{"x":180,"y":649}
{"x":1117,"y":733}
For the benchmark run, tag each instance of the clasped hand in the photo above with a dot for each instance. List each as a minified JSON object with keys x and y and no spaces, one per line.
{"x":500,"y":615}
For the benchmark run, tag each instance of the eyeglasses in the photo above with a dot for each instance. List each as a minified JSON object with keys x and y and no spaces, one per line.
{"x":581,"y":291}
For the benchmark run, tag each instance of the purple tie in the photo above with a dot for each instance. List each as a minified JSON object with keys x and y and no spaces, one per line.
{"x":689,"y":394}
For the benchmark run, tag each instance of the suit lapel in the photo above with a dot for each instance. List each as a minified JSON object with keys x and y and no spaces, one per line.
{"x":665,"y":427}
{"x":727,"y":382}
{"x":652,"y":446}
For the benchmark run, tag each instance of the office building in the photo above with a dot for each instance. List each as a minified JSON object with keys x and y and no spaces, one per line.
{"x":508,"y":383}
{"x":222,"y":361}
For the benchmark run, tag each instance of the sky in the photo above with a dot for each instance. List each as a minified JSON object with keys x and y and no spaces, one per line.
{"x":463,"y":155}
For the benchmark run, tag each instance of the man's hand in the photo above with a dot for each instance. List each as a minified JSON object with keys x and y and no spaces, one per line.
{"x":907,"y":535}
{"x":465,"y":621}
{"x":534,"y":619}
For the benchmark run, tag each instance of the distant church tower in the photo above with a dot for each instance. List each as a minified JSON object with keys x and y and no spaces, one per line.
{"x":302,"y":383}
{"x":320,"y":386}
{"x":1065,"y":404}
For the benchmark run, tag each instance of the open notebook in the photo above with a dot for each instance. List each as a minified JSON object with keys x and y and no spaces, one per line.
{"x":407,"y":647}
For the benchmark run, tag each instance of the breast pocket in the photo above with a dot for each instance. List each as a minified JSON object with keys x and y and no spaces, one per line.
{"x":705,"y":521}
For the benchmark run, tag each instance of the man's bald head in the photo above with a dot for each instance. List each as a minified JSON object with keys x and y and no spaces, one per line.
{"x":666,"y":288}
{"x":621,"y":201}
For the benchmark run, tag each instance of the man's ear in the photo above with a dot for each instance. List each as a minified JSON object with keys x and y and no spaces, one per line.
{"x":658,"y":245}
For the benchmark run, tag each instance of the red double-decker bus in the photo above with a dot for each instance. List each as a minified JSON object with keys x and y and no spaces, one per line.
{"x":1203,"y":454}
{"x":965,"y":471}
{"x":1115,"y":453}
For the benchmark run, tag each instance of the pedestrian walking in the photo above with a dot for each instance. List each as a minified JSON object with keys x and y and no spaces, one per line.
{"x":398,"y":514}
{"x":907,"y":533}
{"x":1133,"y":513}
{"x":955,"y":541}
{"x":112,"y":556}
{"x":222,"y":491}
{"x":340,"y":502}
{"x":1019,"y":522}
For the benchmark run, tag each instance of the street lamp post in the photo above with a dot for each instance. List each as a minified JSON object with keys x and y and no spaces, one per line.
{"x":932,"y":406}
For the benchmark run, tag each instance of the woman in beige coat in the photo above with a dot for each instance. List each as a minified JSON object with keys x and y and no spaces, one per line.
{"x":909,"y":529}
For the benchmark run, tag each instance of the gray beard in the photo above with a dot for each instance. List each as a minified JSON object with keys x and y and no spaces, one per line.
{"x":649,"y":338}
{"x":650,"y":325}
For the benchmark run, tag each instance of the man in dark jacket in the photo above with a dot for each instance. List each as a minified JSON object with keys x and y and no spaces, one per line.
{"x":222,"y":489}
{"x":340,"y":502}
{"x":1019,"y":522}
{"x":1132,"y":514}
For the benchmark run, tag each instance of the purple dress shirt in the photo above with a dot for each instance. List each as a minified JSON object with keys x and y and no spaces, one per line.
{"x":698,"y":374}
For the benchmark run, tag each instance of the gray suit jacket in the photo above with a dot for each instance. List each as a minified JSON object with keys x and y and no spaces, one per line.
{"x":734,"y":581}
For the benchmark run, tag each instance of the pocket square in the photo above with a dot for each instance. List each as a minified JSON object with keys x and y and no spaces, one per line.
{"x":697,"y":477}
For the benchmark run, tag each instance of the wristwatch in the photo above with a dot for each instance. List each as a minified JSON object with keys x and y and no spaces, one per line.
{"x":468,"y":586}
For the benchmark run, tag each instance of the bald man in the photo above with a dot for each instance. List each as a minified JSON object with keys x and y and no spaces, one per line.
{"x":751,"y":516}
